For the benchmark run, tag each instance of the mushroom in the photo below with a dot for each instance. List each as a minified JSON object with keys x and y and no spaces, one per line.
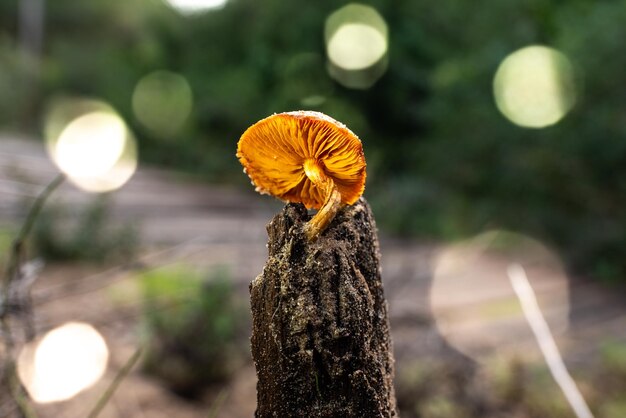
{"x":305,"y":157}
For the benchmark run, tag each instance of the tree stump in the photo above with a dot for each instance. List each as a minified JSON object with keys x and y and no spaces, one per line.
{"x":320,"y":338}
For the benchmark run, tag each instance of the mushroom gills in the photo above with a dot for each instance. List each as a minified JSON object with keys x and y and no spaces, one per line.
{"x":332,"y":199}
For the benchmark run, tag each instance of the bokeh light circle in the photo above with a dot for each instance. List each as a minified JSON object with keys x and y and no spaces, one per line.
{"x":67,"y":360}
{"x":90,"y":143}
{"x":534,"y":87}
{"x":99,"y":134}
{"x":356,"y":45}
{"x":162,"y":101}
{"x":474,"y":305}
{"x":61,"y":110}
{"x":195,"y":6}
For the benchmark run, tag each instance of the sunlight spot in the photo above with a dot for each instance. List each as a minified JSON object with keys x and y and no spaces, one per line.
{"x":95,"y":150}
{"x":534,"y":86}
{"x":196,"y":6}
{"x":355,"y":46}
{"x":162,"y":102}
{"x":474,"y":305}
{"x":68,"y":360}
{"x":61,"y":110}
{"x":99,"y":135}
{"x":356,"y":43}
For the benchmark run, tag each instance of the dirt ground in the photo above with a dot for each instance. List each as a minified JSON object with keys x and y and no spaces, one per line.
{"x":445,"y":301}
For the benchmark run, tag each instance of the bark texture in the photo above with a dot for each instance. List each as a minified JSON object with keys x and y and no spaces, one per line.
{"x":320,"y":338}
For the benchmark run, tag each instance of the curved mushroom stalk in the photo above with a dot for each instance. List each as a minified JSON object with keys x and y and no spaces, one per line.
{"x":332,"y":199}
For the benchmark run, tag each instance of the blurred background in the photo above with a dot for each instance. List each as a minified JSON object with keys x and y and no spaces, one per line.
{"x":494,"y":132}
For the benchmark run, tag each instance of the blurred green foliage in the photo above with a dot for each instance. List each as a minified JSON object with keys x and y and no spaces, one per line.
{"x":443,"y":162}
{"x":192,"y":328}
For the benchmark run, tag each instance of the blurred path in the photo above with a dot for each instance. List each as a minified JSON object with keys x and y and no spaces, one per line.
{"x":216,"y":225}
{"x":166,"y":208}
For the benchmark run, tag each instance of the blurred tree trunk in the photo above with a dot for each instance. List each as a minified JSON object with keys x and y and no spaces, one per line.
{"x":31,"y":35}
{"x":320,"y":338}
{"x":31,"y":18}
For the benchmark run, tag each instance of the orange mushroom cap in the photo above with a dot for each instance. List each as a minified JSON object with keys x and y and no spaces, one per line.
{"x":274,"y":150}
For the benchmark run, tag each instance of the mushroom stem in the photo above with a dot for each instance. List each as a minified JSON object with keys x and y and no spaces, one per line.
{"x":332,"y":199}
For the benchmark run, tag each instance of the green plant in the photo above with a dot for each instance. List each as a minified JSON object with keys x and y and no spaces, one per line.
{"x":614,"y":357}
{"x":441,"y":407}
{"x":5,"y":246}
{"x":613,"y":370}
{"x":542,"y":397}
{"x":191,"y":327}
{"x":614,"y":409}
{"x":437,"y":390}
{"x":91,"y":238}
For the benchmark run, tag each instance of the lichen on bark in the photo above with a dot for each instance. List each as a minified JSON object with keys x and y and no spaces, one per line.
{"x":320,"y":339}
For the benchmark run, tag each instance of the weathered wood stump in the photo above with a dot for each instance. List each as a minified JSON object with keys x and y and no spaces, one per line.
{"x":320,"y":338}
